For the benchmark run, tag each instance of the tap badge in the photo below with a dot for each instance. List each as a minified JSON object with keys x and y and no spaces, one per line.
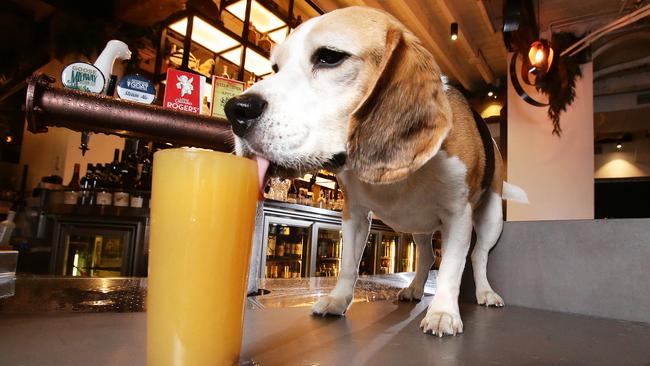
{"x":136,"y":88}
{"x":181,"y":91}
{"x":83,"y":77}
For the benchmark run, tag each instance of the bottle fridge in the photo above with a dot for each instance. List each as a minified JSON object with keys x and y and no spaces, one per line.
{"x":387,"y":253}
{"x":286,"y":245}
{"x":407,"y":255}
{"x":326,"y":257}
{"x":368,"y":263}
{"x":97,"y":249}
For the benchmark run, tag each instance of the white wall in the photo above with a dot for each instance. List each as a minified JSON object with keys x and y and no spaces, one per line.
{"x":557,"y":173}
{"x":56,"y":151}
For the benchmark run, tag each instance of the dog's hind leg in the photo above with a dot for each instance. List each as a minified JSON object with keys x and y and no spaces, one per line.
{"x":355,"y":235}
{"x":488,"y":223}
{"x":424,"y":262}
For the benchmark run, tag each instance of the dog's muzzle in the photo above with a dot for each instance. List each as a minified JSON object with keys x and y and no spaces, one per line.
{"x":243,"y":111}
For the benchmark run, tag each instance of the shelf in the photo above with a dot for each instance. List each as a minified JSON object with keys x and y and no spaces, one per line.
{"x":330,"y":259}
{"x":275,"y":259}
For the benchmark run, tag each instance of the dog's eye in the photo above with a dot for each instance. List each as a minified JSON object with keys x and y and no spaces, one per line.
{"x":328,"y":57}
{"x":275,"y":68}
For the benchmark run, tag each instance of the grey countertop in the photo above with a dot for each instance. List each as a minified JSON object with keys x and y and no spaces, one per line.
{"x":377,"y":331}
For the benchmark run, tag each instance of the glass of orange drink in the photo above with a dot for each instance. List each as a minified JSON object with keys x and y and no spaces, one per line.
{"x":202,"y":220}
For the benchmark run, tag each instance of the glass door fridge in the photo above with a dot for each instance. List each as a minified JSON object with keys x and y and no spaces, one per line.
{"x":95,"y":250}
{"x":367,"y":264}
{"x":407,"y":254}
{"x":326,"y":258}
{"x":286,"y":245}
{"x":387,"y":253}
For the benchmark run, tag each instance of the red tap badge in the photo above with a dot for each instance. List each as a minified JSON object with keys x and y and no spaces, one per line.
{"x":184,"y":91}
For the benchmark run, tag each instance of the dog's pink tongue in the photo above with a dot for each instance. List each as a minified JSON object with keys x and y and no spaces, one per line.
{"x":262,"y":167}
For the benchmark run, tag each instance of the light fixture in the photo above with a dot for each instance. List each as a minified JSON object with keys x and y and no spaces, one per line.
{"x":490,"y":93}
{"x":205,"y":35}
{"x":540,"y":56}
{"x":454,"y":31}
{"x":255,"y":62}
{"x":263,"y":20}
{"x":619,"y":146}
{"x":9,"y":139}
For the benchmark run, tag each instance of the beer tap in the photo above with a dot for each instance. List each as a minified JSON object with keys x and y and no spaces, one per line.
{"x":114,"y":50}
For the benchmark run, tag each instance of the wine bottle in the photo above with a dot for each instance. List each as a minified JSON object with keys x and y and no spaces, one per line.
{"x":88,"y":183}
{"x":103,"y":196}
{"x":71,"y":195}
{"x":121,"y":196}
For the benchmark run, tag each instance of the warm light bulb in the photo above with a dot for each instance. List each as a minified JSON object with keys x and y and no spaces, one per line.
{"x":618,"y":146}
{"x":490,"y":93}
{"x":454,"y":37}
{"x":539,"y":56}
{"x":9,"y":139}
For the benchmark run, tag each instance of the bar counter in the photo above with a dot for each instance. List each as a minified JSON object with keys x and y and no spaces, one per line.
{"x":72,"y":321}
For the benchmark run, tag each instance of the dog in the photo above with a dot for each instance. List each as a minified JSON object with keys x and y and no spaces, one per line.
{"x":356,"y":92}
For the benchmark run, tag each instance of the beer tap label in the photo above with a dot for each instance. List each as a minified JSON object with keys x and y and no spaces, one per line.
{"x":184,"y":91}
{"x":84,"y":77}
{"x":136,"y":88}
{"x":222,"y":90}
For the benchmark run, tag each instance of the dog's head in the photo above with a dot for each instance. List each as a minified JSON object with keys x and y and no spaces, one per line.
{"x":352,"y":89}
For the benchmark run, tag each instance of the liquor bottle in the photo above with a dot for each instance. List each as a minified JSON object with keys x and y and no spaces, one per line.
{"x":137,"y":196}
{"x":292,"y":195}
{"x":103,"y":196}
{"x":88,"y":184}
{"x":71,"y":195}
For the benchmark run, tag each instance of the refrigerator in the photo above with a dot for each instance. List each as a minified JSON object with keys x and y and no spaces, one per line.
{"x":326,"y":256}
{"x":407,"y":255}
{"x":96,"y":249}
{"x":367,"y":263}
{"x":286,"y":247}
{"x":388,"y":244}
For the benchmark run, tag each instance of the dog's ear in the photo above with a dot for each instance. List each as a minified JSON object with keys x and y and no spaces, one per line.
{"x":405,"y":115}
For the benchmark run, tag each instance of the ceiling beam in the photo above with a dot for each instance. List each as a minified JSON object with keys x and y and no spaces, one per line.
{"x":476,"y":57}
{"x":406,"y":11}
{"x":623,"y":66}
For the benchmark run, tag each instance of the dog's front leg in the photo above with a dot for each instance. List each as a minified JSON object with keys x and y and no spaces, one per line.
{"x":355,"y":235}
{"x":443,"y":316}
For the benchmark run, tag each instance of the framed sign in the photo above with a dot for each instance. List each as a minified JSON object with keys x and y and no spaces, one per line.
{"x":222,"y":90}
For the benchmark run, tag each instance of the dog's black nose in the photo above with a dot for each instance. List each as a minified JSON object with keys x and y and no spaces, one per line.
{"x":243,"y":111}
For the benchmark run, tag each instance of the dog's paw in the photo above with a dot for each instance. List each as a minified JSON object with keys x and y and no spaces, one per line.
{"x":330,"y":305}
{"x":442,"y":323}
{"x":489,"y":298}
{"x":410,"y":294}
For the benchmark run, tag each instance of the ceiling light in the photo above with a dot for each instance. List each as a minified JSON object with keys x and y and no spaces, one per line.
{"x":9,"y":139}
{"x":454,"y":31}
{"x":255,"y":62}
{"x":490,"y":93}
{"x":263,"y":20}
{"x":279,"y":35}
{"x":619,"y":146}
{"x":205,"y":35}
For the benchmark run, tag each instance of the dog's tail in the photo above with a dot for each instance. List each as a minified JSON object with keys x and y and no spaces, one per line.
{"x":514,"y":193}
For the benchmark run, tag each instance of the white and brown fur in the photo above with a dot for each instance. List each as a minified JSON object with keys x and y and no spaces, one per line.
{"x":415,"y":158}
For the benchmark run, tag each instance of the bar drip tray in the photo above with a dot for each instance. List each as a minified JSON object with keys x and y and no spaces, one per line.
{"x":48,"y":294}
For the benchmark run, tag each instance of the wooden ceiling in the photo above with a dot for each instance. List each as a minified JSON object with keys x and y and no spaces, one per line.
{"x":476,"y":59}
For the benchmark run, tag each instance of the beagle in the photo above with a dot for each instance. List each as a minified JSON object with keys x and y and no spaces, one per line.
{"x":356,"y":92}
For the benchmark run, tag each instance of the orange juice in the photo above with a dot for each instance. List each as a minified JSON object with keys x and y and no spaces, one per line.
{"x":202,"y":222}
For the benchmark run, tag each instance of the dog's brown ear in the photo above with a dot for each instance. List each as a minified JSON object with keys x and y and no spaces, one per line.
{"x":404,"y":116}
